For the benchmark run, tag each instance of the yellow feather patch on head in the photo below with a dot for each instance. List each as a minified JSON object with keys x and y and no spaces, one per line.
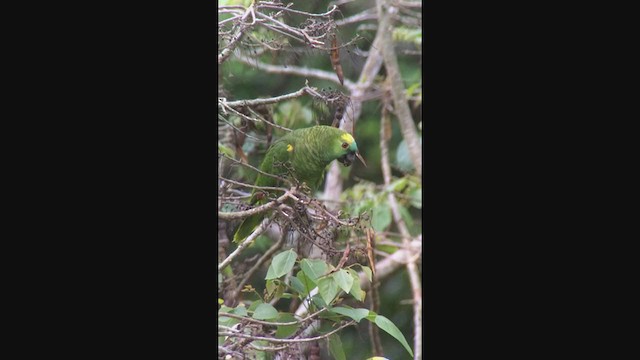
{"x":347,"y":138}
{"x":289,"y":148}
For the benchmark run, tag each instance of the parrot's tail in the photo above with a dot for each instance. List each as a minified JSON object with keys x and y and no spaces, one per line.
{"x":247,"y":227}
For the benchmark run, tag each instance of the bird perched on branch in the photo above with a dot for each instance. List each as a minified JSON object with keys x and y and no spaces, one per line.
{"x":304,"y":155}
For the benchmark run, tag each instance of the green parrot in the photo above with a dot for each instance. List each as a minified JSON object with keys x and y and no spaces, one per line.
{"x":307,"y":151}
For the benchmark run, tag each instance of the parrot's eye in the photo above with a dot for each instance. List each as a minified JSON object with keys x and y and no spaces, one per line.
{"x":345,"y":145}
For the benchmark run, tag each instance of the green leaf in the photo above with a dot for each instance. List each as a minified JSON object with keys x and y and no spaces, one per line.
{"x":227,"y":321}
{"x":403,"y":157}
{"x":255,"y":304}
{"x":335,"y":347}
{"x":240,"y":310}
{"x":411,"y":89}
{"x":381,"y":217}
{"x":333,"y":317}
{"x":328,"y":289}
{"x":388,"y":326}
{"x":405,"y":215}
{"x":265,"y":312}
{"x":270,"y":286}
{"x":355,"y":314}
{"x":318,"y":301}
{"x":281,"y":264}
{"x":283,"y":331}
{"x":368,"y":271}
{"x":362,"y":206}
{"x":313,"y":268}
{"x":398,"y":185}
{"x":301,"y":284}
{"x":343,"y":279}
{"x":356,"y":290}
{"x":416,"y":198}
{"x":226,"y":150}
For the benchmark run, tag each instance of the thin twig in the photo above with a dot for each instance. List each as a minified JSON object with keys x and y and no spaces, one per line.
{"x":298,"y":11}
{"x":259,"y":230}
{"x":287,"y":341}
{"x":235,"y":40}
{"x":253,"y":186}
{"x":401,"y":106}
{"x":257,"y":170}
{"x":259,"y":263}
{"x":269,"y":348}
{"x":273,"y":100}
{"x":296,"y":70}
{"x":365,"y":15}
{"x":269,"y":323}
{"x":222,"y":102}
{"x":256,"y":210}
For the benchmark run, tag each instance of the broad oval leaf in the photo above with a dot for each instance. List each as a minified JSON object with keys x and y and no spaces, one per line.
{"x":356,"y":290}
{"x":297,"y":285}
{"x":313,"y":268}
{"x":416,"y":198}
{"x":381,"y":217}
{"x":281,"y":264}
{"x":302,"y":284}
{"x":388,"y":326}
{"x":343,"y":279}
{"x":328,"y":289}
{"x":265,"y":311}
{"x":355,"y":314}
{"x":335,"y":347}
{"x":368,"y":271}
{"x":284,"y":331}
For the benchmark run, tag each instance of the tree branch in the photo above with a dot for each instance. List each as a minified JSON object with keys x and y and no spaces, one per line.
{"x":295,"y":70}
{"x":286,"y":341}
{"x":406,"y":236}
{"x":256,"y":210}
{"x":402,"y":111}
{"x":259,"y":230}
{"x":235,"y":39}
{"x":254,"y":102}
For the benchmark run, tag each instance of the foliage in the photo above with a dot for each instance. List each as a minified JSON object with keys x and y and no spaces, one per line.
{"x":330,"y":281}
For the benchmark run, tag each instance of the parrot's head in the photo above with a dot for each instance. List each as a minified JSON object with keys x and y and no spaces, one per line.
{"x":348,"y":150}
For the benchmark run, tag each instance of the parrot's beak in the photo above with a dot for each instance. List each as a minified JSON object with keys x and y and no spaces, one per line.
{"x":361,"y":159}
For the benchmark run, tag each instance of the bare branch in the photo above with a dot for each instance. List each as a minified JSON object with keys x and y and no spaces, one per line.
{"x":248,"y":241}
{"x":269,"y":323}
{"x":269,"y":348}
{"x":401,"y":105}
{"x":257,"y":170}
{"x":253,"y":186}
{"x":273,"y":100}
{"x":255,"y":210}
{"x":406,"y":236}
{"x":298,"y":11}
{"x":296,"y":70}
{"x":223,"y":105}
{"x":235,"y":39}
{"x":365,"y":15}
{"x":286,"y":341}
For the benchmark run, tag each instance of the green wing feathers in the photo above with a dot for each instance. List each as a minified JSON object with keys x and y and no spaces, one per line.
{"x":247,"y":227}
